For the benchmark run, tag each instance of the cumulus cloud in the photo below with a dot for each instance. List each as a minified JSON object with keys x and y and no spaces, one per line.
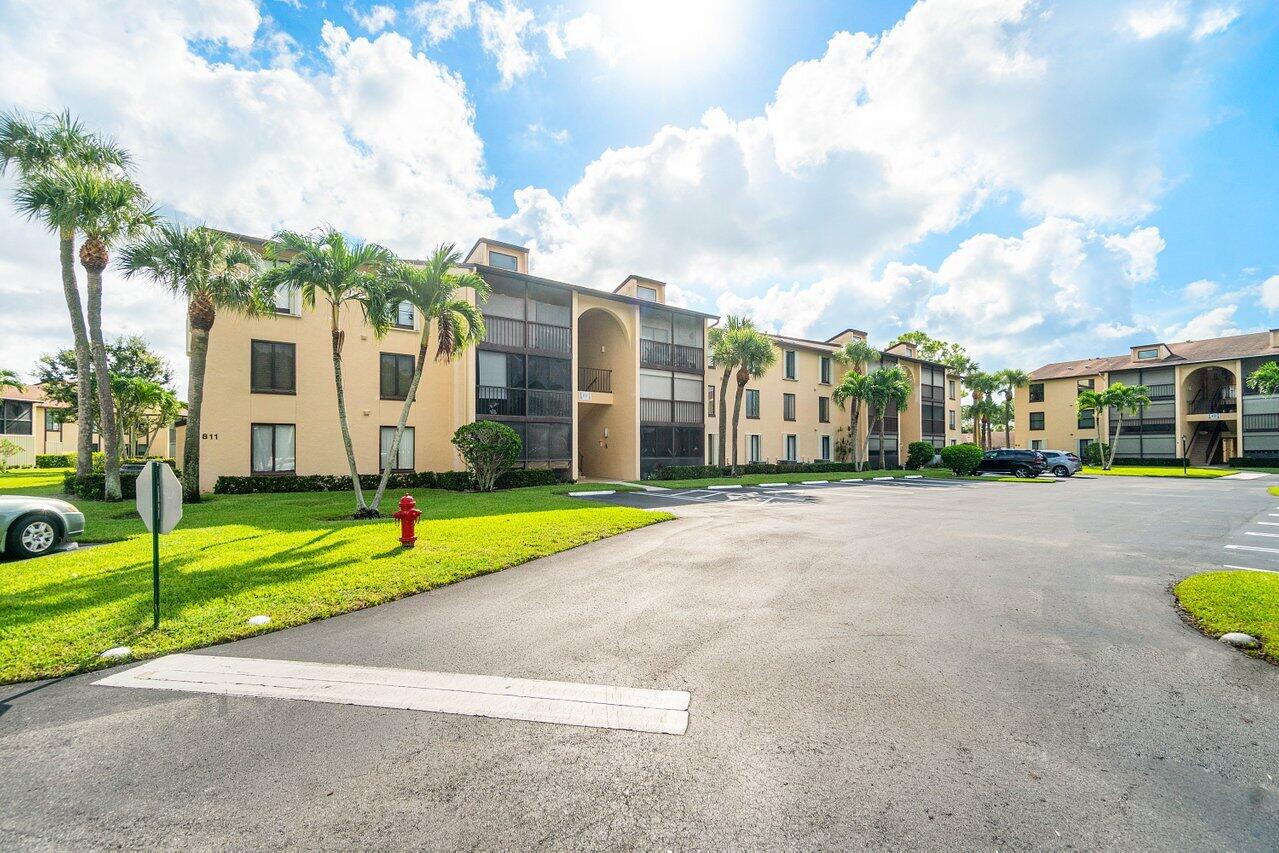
{"x":1155,"y":19}
{"x":442,"y":18}
{"x":376,"y":19}
{"x":1270,"y":293}
{"x":504,"y":35}
{"x":1213,"y":323}
{"x":1201,"y":290}
{"x":585,"y":32}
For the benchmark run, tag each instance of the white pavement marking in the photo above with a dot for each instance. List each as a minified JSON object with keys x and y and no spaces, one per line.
{"x":1251,"y":569}
{"x":594,"y":705}
{"x":1269,"y":523}
{"x":591,"y":494}
{"x":774,"y":484}
{"x":881,"y":478}
{"x":813,"y":482}
{"x":1256,"y":533}
{"x":913,"y":477}
{"x":1247,"y":475}
{"x":734,"y":486}
{"x":1252,"y":548}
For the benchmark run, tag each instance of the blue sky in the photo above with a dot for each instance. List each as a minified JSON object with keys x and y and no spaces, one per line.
{"x":1038,"y":180}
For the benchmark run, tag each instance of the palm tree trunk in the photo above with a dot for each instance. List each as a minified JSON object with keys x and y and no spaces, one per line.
{"x":1008,"y":414}
{"x":195,"y":403}
{"x":723,"y":416}
{"x":881,"y":441}
{"x":84,"y":387}
{"x":404,"y":415}
{"x":737,"y":412}
{"x":361,"y":508}
{"x":1114,"y":443}
{"x":106,"y":407}
{"x":1100,"y":447}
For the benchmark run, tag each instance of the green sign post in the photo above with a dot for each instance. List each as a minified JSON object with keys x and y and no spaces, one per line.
{"x":159,"y":499}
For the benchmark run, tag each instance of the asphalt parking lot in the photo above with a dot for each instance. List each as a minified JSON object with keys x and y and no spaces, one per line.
{"x":885,"y":665}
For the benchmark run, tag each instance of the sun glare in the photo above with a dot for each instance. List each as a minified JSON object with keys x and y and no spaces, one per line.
{"x":663,"y":37}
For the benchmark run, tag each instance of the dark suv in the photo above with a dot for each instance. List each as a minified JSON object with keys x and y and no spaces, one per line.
{"x":1022,"y":463}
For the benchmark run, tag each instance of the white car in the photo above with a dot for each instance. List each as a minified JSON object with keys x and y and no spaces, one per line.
{"x":1062,"y":463}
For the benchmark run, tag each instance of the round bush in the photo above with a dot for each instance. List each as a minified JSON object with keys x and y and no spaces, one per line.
{"x":963,"y":459}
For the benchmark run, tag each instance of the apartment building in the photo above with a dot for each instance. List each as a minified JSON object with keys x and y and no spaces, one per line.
{"x":1200,"y":408}
{"x":30,"y":421}
{"x":788,"y":414}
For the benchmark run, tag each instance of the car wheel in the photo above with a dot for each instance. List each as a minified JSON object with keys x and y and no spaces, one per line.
{"x":1061,"y":471}
{"x":1023,"y":471}
{"x":33,"y":535}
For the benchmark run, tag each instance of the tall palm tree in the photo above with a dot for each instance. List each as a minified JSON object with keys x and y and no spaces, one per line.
{"x":326,"y":266}
{"x":213,"y":273}
{"x":1011,"y":378}
{"x":34,"y":145}
{"x":754,"y":354}
{"x":1093,"y":401}
{"x":887,"y":386}
{"x":982,"y":385}
{"x":852,"y":389}
{"x":721,"y":342}
{"x":857,"y":355}
{"x":1123,"y":398}
{"x":434,"y":291}
{"x":10,"y":379}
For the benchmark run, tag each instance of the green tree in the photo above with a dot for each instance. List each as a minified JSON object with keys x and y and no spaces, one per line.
{"x":212,"y":273}
{"x":963,"y":459}
{"x":887,"y":386}
{"x":435,"y":292}
{"x":1090,"y":400}
{"x":10,"y":379}
{"x":722,"y":344}
{"x":1265,"y":379}
{"x":982,"y":385}
{"x":856,"y":355}
{"x":754,"y":354}
{"x":1011,"y":379}
{"x":343,"y":274}
{"x":932,"y":349}
{"x":489,"y":449}
{"x":141,"y":408}
{"x":34,"y":146}
{"x":1123,"y":399}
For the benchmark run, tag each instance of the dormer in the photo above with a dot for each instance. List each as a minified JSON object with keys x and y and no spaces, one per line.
{"x":1150,"y":352}
{"x":494,"y":253}
{"x":845,"y":336}
{"x":1274,"y":337}
{"x":903,"y":348}
{"x":646,"y":289}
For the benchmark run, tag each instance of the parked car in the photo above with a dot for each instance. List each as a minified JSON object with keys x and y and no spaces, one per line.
{"x":1062,"y":463}
{"x":31,"y":526}
{"x":1021,"y":463}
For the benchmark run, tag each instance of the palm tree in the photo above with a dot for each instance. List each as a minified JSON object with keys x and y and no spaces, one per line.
{"x":854,"y":389}
{"x":213,"y":273}
{"x":754,"y":354}
{"x":887,"y":386}
{"x":1123,"y":398}
{"x":857,"y":354}
{"x":1011,"y":378}
{"x":982,"y":385}
{"x":1095,"y":402}
{"x":35,"y":145}
{"x":10,"y":379}
{"x":344,"y":274}
{"x":434,"y":291}
{"x":721,"y":342}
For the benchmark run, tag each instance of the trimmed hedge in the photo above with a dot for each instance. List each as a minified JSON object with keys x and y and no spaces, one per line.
{"x":1254,"y":462}
{"x":1153,"y":463}
{"x":919,"y":454}
{"x":55,"y":460}
{"x":453,"y":481}
{"x":93,"y":486}
{"x":700,"y":472}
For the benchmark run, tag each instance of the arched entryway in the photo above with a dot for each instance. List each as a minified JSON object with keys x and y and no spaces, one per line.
{"x":608,"y":446}
{"x":1210,"y":415}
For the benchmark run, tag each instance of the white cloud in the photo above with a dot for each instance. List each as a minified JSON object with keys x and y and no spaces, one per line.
{"x":1201,"y":290}
{"x":1215,"y":20}
{"x":537,"y":133}
{"x":504,"y":35}
{"x":585,"y":32}
{"x":358,"y":145}
{"x":1213,"y":323}
{"x":442,"y":18}
{"x":1270,"y":293}
{"x":376,"y":19}
{"x":1155,"y":19}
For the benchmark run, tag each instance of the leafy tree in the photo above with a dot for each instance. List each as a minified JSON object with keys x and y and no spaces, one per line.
{"x":36,"y":146}
{"x":141,"y":408}
{"x":325,"y":266}
{"x":1090,"y":400}
{"x":982,"y":385}
{"x":129,"y":357}
{"x":1011,"y":379}
{"x":856,"y":355}
{"x":887,"y":386}
{"x":932,"y":349}
{"x":10,"y":379}
{"x":721,"y":342}
{"x":435,"y":292}
{"x":489,"y":449}
{"x":1265,"y":379}
{"x":963,"y":459}
{"x":754,"y":354}
{"x":1123,"y":398}
{"x":919,"y":454}
{"x":213,"y":273}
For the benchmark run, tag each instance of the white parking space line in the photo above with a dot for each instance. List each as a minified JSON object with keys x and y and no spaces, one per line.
{"x":567,"y":703}
{"x":770,"y":485}
{"x":1252,"y":548}
{"x":814,"y":482}
{"x":1256,"y":533}
{"x":1251,"y":569}
{"x":1269,"y":523}
{"x":733,"y":486}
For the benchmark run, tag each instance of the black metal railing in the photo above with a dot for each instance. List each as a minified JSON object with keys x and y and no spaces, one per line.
{"x":670,"y":411}
{"x":493,"y":400}
{"x":595,"y":379}
{"x":1163,"y":391}
{"x":675,"y":356}
{"x":518,"y":334}
{"x":549,"y":404}
{"x":1214,"y":405}
{"x":1144,"y":426}
{"x":1265,"y":422}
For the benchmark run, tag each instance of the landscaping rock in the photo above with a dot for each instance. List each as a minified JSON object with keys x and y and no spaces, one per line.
{"x":1240,"y":640}
{"x":259,"y":620}
{"x":118,"y":653}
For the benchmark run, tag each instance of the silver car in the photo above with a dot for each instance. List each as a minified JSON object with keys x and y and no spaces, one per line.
{"x":1062,"y":463}
{"x":31,"y":526}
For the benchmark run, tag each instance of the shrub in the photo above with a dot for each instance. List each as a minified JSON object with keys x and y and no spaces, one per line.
{"x":919,"y":454}
{"x":93,"y":486}
{"x":8,"y":449}
{"x":489,"y":449}
{"x":1093,"y":452}
{"x":454,"y":481}
{"x":55,"y":460}
{"x":699,"y":472}
{"x":963,"y":459}
{"x":1252,"y":462}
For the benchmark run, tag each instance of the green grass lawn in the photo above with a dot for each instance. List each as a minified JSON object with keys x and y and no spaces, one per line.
{"x":1158,"y":471}
{"x":1222,"y":602}
{"x":295,"y":558}
{"x":756,"y":479}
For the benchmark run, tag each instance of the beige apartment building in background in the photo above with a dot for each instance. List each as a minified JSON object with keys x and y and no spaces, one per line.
{"x":609,"y":385}
{"x":1201,"y":407}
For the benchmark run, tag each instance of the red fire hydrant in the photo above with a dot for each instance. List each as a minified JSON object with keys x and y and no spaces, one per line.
{"x":408,"y":515}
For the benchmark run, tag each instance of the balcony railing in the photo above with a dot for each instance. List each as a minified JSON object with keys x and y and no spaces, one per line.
{"x":1144,"y":426}
{"x":518,"y":334}
{"x":549,"y":404}
{"x":1213,"y":406}
{"x":595,"y":379}
{"x":1265,"y":422}
{"x":517,"y":402}
{"x":670,"y":411}
{"x":1161,"y":392}
{"x":674,"y":356}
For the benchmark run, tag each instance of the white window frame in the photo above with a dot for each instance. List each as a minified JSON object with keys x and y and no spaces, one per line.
{"x":824,"y":447}
{"x":787,"y":439}
{"x":790,"y":358}
{"x":754,"y":448}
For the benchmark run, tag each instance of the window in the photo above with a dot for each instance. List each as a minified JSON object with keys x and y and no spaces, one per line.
{"x":287,"y":300}
{"x":1083,"y":446}
{"x":752,"y":402}
{"x":396,"y":375}
{"x":753,"y":445}
{"x":550,"y":374}
{"x":825,"y":448}
{"x":1036,"y":392}
{"x":791,"y":448}
{"x":788,"y":407}
{"x":710,"y":401}
{"x":710,"y":448}
{"x":1085,"y":385}
{"x":273,"y":446}
{"x":950,"y":422}
{"x":1036,"y":420}
{"x":546,"y":442}
{"x":648,"y":294}
{"x":790,"y":364}
{"x":951,"y":388}
{"x":1144,"y":354}
{"x":825,"y":369}
{"x":273,"y":369}
{"x":1037,"y":444}
{"x":503,"y":261}
{"x":15,"y":417}
{"x":1088,"y":419}
{"x":404,"y":315}
{"x":51,"y":422}
{"x":401,"y":459}
{"x":823,"y":409}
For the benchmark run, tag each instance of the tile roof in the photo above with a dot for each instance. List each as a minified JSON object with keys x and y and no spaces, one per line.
{"x":32,"y":393}
{"x":1186,"y":352}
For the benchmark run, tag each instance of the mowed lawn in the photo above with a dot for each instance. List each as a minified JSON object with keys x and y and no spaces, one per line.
{"x":1235,"y":601}
{"x":1159,"y":471}
{"x":294,"y":558}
